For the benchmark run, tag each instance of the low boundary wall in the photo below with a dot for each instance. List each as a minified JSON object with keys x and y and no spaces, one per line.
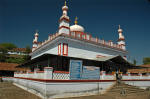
{"x":48,"y":89}
{"x":141,"y":83}
{"x":63,"y":88}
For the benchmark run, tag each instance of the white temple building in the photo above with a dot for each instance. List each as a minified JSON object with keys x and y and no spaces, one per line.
{"x":73,"y":41}
{"x":73,"y":63}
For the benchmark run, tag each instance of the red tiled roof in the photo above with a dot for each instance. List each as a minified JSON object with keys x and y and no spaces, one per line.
{"x":147,"y":65}
{"x":143,"y":70}
{"x":11,"y":67}
{"x":19,"y":49}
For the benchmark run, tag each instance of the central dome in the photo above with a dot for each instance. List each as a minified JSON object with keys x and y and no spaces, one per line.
{"x":76,"y":28}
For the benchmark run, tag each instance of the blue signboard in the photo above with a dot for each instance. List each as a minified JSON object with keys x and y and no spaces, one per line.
{"x":91,"y":73}
{"x":75,"y":69}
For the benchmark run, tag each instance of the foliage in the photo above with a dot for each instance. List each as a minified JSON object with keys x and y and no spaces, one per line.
{"x":146,"y":60}
{"x":26,"y":58}
{"x":8,"y":46}
{"x":15,"y":60}
{"x":134,"y":62}
{"x":3,"y":50}
{"x":3,"y":53}
{"x":28,"y":49}
{"x":2,"y":57}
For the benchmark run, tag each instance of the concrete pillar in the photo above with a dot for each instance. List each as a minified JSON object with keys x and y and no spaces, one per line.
{"x":129,"y":75}
{"x":148,"y":75}
{"x":27,"y":74}
{"x":140,"y":74}
{"x":48,"y":72}
{"x":102,"y":77}
{"x":35,"y":74}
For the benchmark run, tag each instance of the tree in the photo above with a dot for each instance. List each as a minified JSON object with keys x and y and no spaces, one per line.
{"x":3,"y":53}
{"x":2,"y":57}
{"x":28,"y":49}
{"x":15,"y":60}
{"x":8,"y":46}
{"x":27,"y":57}
{"x":3,"y":50}
{"x":146,"y":60}
{"x":134,"y":62}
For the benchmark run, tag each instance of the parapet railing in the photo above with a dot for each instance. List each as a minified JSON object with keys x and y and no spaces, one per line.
{"x":64,"y":75}
{"x":86,"y":37}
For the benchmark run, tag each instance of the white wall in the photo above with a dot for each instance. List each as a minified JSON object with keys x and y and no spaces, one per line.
{"x":86,"y":50}
{"x":76,"y":48}
{"x":46,"y":74}
{"x":141,"y":84}
{"x":63,"y":89}
{"x":50,"y":48}
{"x":129,"y":77}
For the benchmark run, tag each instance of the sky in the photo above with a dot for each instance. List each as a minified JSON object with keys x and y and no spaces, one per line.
{"x":19,"y":19}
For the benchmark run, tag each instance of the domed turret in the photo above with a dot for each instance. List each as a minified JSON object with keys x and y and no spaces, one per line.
{"x":76,"y":27}
{"x":35,"y":41}
{"x":121,"y":40}
{"x":64,"y":26}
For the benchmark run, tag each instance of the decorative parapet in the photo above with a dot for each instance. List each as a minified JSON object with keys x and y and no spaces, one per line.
{"x":85,"y":37}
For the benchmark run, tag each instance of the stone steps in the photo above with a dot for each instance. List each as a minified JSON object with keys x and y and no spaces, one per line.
{"x":117,"y":89}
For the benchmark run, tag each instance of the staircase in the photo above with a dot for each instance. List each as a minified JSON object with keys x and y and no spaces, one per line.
{"x":124,"y":90}
{"x":120,"y":91}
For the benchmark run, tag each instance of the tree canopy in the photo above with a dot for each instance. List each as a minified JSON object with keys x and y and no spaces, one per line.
{"x":28,"y":49}
{"x":146,"y":60}
{"x":8,"y":46}
{"x":134,"y":62}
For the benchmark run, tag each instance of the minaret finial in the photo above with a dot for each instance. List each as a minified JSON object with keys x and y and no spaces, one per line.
{"x":119,"y":26}
{"x":36,"y":31}
{"x":65,"y":3}
{"x":76,"y":20}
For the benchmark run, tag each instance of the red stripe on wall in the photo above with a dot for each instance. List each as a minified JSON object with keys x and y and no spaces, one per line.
{"x":65,"y":49}
{"x":59,"y":49}
{"x":65,"y":81}
{"x":65,"y":72}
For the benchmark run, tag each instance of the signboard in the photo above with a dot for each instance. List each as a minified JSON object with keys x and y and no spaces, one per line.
{"x":91,"y":73}
{"x":75,"y":69}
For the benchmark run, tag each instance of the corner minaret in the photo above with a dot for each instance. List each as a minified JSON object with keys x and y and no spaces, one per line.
{"x":35,"y":41}
{"x":121,"y":40}
{"x":64,"y":21}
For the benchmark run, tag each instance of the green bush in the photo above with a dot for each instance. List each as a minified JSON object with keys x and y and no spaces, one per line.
{"x":15,"y":60}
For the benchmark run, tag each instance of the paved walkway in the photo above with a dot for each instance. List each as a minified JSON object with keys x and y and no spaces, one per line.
{"x":9,"y":91}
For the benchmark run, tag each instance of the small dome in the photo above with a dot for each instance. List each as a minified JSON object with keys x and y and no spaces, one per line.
{"x":64,"y":8}
{"x":76,"y":28}
{"x":36,"y":34}
{"x":120,"y":30}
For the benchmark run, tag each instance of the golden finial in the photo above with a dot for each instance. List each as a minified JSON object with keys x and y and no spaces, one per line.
{"x":65,"y":3}
{"x":76,"y":20}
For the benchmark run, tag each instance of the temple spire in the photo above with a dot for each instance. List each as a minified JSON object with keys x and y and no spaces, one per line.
{"x":121,"y":39}
{"x":35,"y":40}
{"x":64,"y":21}
{"x":76,"y":20}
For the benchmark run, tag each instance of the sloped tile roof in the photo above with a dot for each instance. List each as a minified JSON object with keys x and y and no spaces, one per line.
{"x":10,"y":67}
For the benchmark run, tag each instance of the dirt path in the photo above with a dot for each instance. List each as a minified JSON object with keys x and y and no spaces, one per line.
{"x":9,"y":91}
